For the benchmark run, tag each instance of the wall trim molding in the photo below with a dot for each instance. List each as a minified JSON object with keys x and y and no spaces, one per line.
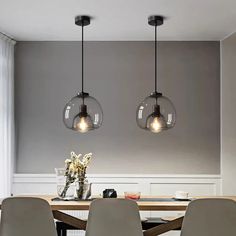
{"x":148,"y":184}
{"x":25,"y":177}
{"x":125,"y":178}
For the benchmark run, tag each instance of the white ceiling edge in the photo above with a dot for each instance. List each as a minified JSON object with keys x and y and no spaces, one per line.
{"x":227,"y":36}
{"x":135,"y":40}
{"x":33,"y":39}
{"x":123,"y":20}
{"x":116,"y":40}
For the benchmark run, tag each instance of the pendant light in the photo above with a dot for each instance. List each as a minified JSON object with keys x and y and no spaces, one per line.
{"x":82,"y":113}
{"x":156,"y":112}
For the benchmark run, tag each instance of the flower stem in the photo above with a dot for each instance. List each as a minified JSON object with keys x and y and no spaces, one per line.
{"x":63,"y":193}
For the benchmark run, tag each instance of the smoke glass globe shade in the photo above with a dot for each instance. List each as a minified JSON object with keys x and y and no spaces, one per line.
{"x":150,"y":118}
{"x":83,"y":113}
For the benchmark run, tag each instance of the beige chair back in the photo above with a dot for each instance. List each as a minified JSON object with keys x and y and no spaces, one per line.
{"x":25,"y":216}
{"x":210,"y":217}
{"x":114,"y":217}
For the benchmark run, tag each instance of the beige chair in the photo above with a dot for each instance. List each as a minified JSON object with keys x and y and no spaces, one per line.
{"x":116,"y":217}
{"x":204,"y":217}
{"x":210,"y":217}
{"x":25,"y":216}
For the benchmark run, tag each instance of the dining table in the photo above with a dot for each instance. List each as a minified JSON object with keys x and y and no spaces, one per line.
{"x":146,"y":203}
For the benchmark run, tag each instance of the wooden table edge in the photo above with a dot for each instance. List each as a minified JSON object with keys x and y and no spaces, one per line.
{"x":141,"y":208}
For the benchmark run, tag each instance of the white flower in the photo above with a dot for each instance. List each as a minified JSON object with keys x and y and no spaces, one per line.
{"x":75,"y":167}
{"x":68,"y":161}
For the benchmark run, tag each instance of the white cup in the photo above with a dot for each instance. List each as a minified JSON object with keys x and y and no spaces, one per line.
{"x":181,"y":195}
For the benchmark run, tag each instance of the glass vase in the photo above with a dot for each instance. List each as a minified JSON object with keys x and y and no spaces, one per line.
{"x":83,"y":189}
{"x":65,"y":190}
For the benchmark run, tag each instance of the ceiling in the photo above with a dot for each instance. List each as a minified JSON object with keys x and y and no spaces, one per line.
{"x":117,"y":19}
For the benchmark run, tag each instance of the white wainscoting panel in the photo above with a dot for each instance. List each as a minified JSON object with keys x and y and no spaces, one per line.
{"x":147,"y":184}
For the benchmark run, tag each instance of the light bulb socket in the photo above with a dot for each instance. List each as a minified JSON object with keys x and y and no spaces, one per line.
{"x":83,"y":111}
{"x":82,"y":95}
{"x":156,"y":95}
{"x":155,"y":20}
{"x":156,"y":110}
{"x":82,"y":20}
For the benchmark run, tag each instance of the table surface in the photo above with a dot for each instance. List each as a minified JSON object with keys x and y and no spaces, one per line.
{"x":143,"y":205}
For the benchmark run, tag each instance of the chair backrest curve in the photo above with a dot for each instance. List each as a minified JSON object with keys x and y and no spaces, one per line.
{"x":210,"y":217}
{"x":114,"y":217}
{"x":26,"y":216}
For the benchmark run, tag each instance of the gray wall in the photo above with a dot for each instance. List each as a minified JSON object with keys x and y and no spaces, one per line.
{"x":229,"y":115}
{"x":119,"y":75}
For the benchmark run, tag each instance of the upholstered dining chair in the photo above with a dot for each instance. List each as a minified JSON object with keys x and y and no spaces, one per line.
{"x":210,"y":217}
{"x":26,"y":216}
{"x":204,"y":217}
{"x":114,"y":217}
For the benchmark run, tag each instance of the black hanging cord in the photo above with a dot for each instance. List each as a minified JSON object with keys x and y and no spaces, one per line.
{"x":82,"y":21}
{"x":156,"y":21}
{"x":82,"y":53}
{"x":82,"y":44}
{"x":155,"y":59}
